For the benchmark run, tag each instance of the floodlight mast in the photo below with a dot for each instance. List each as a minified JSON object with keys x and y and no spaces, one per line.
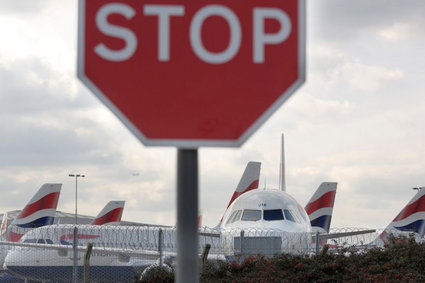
{"x":76,"y":192}
{"x":75,"y":242}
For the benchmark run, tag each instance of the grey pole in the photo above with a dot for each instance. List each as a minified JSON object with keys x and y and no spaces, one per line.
{"x":75,"y":242}
{"x":76,"y":198}
{"x":87,"y":263}
{"x":317,"y":242}
{"x":76,"y":191}
{"x":242,"y":240}
{"x":160,"y":239}
{"x":187,"y":216}
{"x":75,"y":261}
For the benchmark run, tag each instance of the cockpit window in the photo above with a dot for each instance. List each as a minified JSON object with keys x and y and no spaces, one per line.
{"x":235,"y":216}
{"x":288,"y":215}
{"x":302,"y":213}
{"x":231,"y":217}
{"x":296,"y":216}
{"x":273,"y":214}
{"x":238,"y":215}
{"x":251,"y":215}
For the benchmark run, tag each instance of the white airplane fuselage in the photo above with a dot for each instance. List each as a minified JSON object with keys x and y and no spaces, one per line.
{"x":55,"y":264}
{"x":266,"y":222}
{"x":266,"y":209}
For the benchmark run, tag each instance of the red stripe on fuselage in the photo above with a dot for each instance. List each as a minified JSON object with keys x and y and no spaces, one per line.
{"x":253,"y":186}
{"x":326,"y":200}
{"x":13,"y":237}
{"x":79,"y":236}
{"x":112,"y":216}
{"x":417,"y":206}
{"x":46,"y":202}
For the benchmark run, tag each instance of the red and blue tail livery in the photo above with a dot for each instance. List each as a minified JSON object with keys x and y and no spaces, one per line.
{"x":110,"y":214}
{"x":320,"y":207}
{"x":40,"y":211}
{"x":410,"y":219}
{"x":249,"y":180}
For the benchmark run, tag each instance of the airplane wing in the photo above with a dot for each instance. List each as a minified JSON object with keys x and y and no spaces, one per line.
{"x":123,"y":254}
{"x":66,"y":248}
{"x":341,"y":235}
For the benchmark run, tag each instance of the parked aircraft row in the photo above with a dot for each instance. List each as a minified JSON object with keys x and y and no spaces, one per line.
{"x":291,"y":219}
{"x":275,"y":209}
{"x":40,"y":211}
{"x":248,"y":208}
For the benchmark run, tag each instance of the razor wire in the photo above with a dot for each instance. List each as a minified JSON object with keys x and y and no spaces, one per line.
{"x":122,"y":253}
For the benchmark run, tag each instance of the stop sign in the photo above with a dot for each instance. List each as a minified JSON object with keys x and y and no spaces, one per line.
{"x":192,"y":73}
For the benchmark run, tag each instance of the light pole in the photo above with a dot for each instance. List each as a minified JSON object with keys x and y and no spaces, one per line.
{"x":75,"y":242}
{"x":76,"y":191}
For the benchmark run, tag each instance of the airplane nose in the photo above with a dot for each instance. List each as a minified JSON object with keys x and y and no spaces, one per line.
{"x":3,"y":254}
{"x":11,"y":260}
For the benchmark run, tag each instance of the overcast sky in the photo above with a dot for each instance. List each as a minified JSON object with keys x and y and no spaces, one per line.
{"x":358,"y":120}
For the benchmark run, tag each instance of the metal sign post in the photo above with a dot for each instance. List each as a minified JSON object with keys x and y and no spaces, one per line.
{"x":187,"y":216}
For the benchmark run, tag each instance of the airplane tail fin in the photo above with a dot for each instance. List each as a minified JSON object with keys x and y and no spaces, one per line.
{"x":320,"y":207}
{"x":249,"y":180}
{"x":110,"y":214}
{"x":410,"y":219}
{"x":39,"y":211}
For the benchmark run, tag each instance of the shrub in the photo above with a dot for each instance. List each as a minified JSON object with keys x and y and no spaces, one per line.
{"x":401,"y":260}
{"x":157,"y":274}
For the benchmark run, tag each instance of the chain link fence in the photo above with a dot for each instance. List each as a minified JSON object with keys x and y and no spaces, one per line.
{"x":122,"y":253}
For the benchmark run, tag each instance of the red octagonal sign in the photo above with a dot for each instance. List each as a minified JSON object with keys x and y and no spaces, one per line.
{"x":192,"y":73}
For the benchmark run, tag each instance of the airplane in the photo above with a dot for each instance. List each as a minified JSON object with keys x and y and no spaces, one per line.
{"x":275,"y":214}
{"x":266,"y":209}
{"x":111,"y":214}
{"x":278,"y":206}
{"x":38,"y":212}
{"x":276,"y":209}
{"x":411,"y":219}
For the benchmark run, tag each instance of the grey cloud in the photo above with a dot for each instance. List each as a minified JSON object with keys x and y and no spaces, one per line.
{"x":22,"y":6}
{"x":29,"y":86}
{"x":32,"y":97}
{"x":37,"y":145}
{"x":342,"y":20}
